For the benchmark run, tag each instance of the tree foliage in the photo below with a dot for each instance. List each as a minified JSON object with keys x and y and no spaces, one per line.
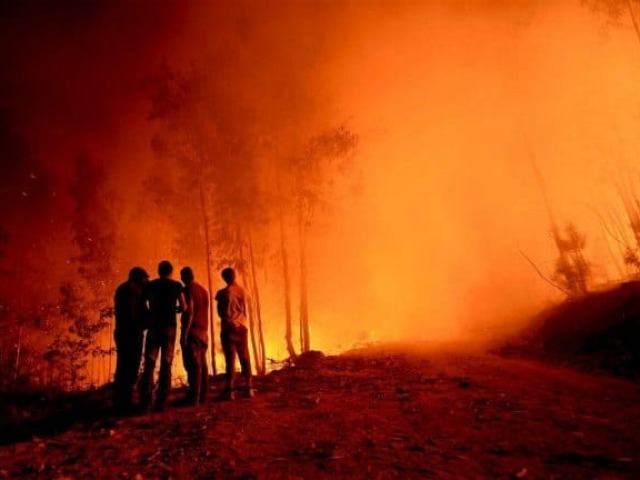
{"x":572,"y":270}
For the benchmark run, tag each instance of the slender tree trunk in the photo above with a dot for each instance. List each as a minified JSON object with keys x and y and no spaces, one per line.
{"x":256,"y":302}
{"x":555,"y":230}
{"x":72,"y":375}
{"x":583,"y":271}
{"x":102,"y":372}
{"x":207,"y":244}
{"x":92,"y":376}
{"x":16,"y":366}
{"x":255,"y":347}
{"x":614,"y":259}
{"x":300,"y":334}
{"x":110,"y":352}
{"x":212,"y":317}
{"x":287,"y":291}
{"x":254,"y":344}
{"x":304,"y":287}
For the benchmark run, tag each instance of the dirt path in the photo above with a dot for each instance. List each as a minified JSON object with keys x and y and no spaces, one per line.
{"x":369,"y":414}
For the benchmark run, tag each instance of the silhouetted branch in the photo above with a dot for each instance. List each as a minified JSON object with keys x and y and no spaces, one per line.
{"x":607,"y":229}
{"x":546,"y":279}
{"x":634,"y":20}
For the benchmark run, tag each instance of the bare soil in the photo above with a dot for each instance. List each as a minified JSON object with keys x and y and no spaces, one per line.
{"x":394,"y":412}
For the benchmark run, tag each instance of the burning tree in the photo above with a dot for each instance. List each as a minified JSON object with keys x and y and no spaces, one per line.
{"x":312,"y":175}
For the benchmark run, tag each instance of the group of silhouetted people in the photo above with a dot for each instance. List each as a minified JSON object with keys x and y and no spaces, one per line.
{"x":153,"y":306}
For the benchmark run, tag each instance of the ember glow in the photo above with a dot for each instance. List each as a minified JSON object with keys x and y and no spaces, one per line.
{"x":421,"y":236}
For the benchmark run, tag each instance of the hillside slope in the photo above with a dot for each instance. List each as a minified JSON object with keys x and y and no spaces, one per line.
{"x":600,"y":331}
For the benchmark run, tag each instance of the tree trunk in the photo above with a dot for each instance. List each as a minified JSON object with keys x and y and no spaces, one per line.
{"x":583,"y":271}
{"x":16,"y":366}
{"x":304,"y":287}
{"x":256,"y":303}
{"x":101,"y":371}
{"x":207,"y":245}
{"x":287,"y":291}
{"x":212,"y":318}
{"x":254,"y":345}
{"x":555,"y":230}
{"x":73,"y":374}
{"x":110,"y":352}
{"x":92,"y":371}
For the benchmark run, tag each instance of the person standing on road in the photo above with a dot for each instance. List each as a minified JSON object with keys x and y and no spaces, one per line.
{"x":166,"y":299}
{"x":131,"y":314}
{"x":232,"y":309}
{"x":194,"y":338}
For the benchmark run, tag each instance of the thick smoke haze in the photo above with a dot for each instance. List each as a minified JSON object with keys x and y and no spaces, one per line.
{"x":453,"y":104}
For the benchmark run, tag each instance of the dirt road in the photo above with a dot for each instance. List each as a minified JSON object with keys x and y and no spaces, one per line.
{"x":377,"y":413}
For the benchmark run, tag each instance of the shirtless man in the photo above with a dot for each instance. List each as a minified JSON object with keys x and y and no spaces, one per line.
{"x":194,"y":338}
{"x":232,"y":309}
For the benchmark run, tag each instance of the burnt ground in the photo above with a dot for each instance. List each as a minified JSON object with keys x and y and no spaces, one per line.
{"x":392,"y":412}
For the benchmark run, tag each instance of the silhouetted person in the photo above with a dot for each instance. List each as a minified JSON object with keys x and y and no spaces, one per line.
{"x":165,"y":301}
{"x":194,"y":337}
{"x":131,"y":320}
{"x":232,"y":309}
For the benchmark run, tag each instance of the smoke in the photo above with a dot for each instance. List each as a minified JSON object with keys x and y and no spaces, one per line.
{"x":452,"y":101}
{"x":455,"y":105}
